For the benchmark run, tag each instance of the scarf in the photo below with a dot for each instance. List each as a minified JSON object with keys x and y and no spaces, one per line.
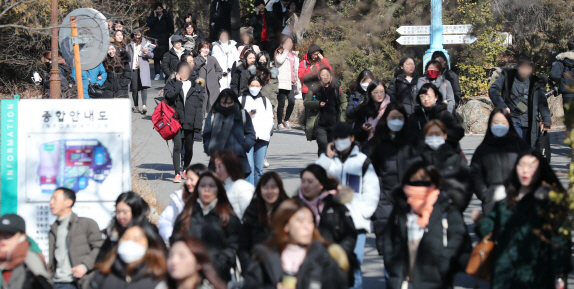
{"x":220,"y":131}
{"x":292,"y":258}
{"x":315,"y":205}
{"x":10,"y":260}
{"x":374,"y":121}
{"x":422,"y":200}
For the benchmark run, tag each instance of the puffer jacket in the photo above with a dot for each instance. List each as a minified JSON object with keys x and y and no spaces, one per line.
{"x":434,"y":263}
{"x":318,"y":270}
{"x":117,"y":278}
{"x":284,"y":67}
{"x":263,"y":118}
{"x":118,"y":81}
{"x":403,"y":91}
{"x":189,"y":107}
{"x":221,"y":242}
{"x":562,"y":73}
{"x":418,"y":120}
{"x":240,"y":193}
{"x":356,"y":98}
{"x":226,"y":55}
{"x":238,"y":77}
{"x":444,"y":86}
{"x":308,"y":71}
{"x":269,"y":90}
{"x":492,"y":163}
{"x":169,"y":215}
{"x":170,"y":62}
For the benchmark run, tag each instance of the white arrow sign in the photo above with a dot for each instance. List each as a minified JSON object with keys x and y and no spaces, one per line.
{"x":425,"y":30}
{"x":425,"y":40}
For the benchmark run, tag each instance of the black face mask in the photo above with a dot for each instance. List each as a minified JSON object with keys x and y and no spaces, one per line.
{"x":262,"y":65}
{"x":226,"y":110}
{"x":420,"y":183}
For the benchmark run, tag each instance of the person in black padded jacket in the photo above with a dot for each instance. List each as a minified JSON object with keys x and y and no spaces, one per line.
{"x":358,"y":96}
{"x":403,"y":87}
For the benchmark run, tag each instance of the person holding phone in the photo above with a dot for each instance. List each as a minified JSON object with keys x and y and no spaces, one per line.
{"x":522,"y":94}
{"x":261,"y":112}
{"x":369,"y":112}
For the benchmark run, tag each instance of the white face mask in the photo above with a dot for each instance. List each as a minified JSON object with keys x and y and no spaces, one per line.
{"x":254,"y":90}
{"x":395,"y":124}
{"x":499,"y":130}
{"x":364,"y":85}
{"x":342,"y":144}
{"x":130,"y":251}
{"x":434,"y":142}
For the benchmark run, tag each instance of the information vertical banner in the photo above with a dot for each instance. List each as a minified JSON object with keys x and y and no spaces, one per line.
{"x":83,"y":145}
{"x":9,"y":155}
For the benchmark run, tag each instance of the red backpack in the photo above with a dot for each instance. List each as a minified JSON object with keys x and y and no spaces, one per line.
{"x":164,"y":119}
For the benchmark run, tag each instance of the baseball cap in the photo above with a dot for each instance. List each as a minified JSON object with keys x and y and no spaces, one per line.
{"x":12,"y":223}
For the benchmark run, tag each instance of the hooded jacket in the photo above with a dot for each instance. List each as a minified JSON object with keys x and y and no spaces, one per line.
{"x":263,"y":118}
{"x":313,"y":100}
{"x":403,"y":91}
{"x":240,"y":193}
{"x":433,"y":267}
{"x":562,"y":73}
{"x":308,"y":71}
{"x":500,"y":93}
{"x":189,"y":107}
{"x":319,"y":269}
{"x":420,"y":117}
{"x":444,"y":86}
{"x":356,"y":98}
{"x":169,"y":215}
{"x":284,"y":67}
{"x":226,"y":55}
{"x":365,"y":185}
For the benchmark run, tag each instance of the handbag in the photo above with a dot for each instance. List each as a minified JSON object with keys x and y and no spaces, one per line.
{"x":543,"y":146}
{"x":95,"y":90}
{"x":480,"y":262}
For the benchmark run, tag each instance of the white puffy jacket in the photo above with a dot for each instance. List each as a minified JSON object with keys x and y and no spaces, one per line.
{"x":263,"y":118}
{"x":284,"y":66}
{"x":169,"y":215}
{"x":239,"y":194}
{"x":226,"y":55}
{"x":366,"y":187}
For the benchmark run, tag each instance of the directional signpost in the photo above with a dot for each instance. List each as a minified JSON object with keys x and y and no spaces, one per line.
{"x":425,"y":40}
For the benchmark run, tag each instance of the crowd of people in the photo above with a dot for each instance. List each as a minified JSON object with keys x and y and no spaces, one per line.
{"x":389,"y":162}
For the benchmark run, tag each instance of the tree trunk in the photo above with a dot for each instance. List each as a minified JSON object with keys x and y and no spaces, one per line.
{"x":304,"y":20}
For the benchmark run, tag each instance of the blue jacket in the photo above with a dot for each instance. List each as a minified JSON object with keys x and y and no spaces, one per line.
{"x":91,"y":76}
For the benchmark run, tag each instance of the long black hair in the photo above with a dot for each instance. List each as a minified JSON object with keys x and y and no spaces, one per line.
{"x":321,"y":175}
{"x":382,"y":131}
{"x":139,"y":208}
{"x":245,"y":58}
{"x":363,"y":75}
{"x":400,"y":71}
{"x":544,"y":175}
{"x":429,"y":170}
{"x":370,"y":108}
{"x":258,"y":198}
{"x":511,"y":130}
{"x":197,"y":169}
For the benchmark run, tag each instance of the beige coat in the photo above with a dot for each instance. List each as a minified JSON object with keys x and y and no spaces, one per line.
{"x":283,"y":65}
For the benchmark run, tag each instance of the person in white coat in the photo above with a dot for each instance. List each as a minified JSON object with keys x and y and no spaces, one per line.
{"x":353,"y":169}
{"x":239,"y":192}
{"x":225,"y":51}
{"x":287,"y":62}
{"x":261,"y":111}
{"x":178,"y":198}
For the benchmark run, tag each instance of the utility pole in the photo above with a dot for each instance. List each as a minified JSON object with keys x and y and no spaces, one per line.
{"x":55,"y":71}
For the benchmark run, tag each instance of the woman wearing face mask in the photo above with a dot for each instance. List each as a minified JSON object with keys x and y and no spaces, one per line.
{"x":178,"y":199}
{"x":239,"y":75}
{"x":256,"y":226}
{"x":209,"y":217}
{"x":448,"y":74}
{"x":210,"y":70}
{"x":138,"y":261}
{"x":433,"y":75}
{"x":492,"y":162}
{"x":430,"y":106}
{"x":261,"y":112}
{"x":370,"y":111}
{"x":189,"y":266}
{"x":287,"y":61}
{"x":332,"y":218}
{"x":239,"y":191}
{"x":451,"y":165}
{"x":185,"y":93}
{"x":119,"y":74}
{"x":531,"y":248}
{"x":326,"y":104}
{"x":420,"y":251}
{"x":226,"y":54}
{"x":21,"y":267}
{"x":403,"y":87}
{"x":391,"y":152}
{"x":296,"y":256}
{"x":360,"y":93}
{"x":131,"y":210}
{"x":140,"y":52}
{"x":268,"y":75}
{"x":229,"y":126}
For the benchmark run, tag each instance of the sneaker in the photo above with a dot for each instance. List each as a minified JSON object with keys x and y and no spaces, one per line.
{"x":280,"y":127}
{"x":184,"y":175}
{"x":265,"y":163}
{"x":144,"y":109}
{"x":287,"y":124}
{"x":156,"y":77}
{"x":177,"y":178}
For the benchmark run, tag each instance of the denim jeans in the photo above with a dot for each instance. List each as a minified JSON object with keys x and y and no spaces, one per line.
{"x":360,"y":252}
{"x":522,"y":131}
{"x":256,"y":158}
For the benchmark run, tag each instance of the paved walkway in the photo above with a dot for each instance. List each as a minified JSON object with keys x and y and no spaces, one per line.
{"x":288,"y":153}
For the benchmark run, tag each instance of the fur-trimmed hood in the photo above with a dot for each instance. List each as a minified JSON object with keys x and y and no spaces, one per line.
{"x":565,"y":55}
{"x":200,"y":81}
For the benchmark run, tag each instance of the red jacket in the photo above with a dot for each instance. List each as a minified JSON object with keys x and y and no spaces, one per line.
{"x":305,"y":74}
